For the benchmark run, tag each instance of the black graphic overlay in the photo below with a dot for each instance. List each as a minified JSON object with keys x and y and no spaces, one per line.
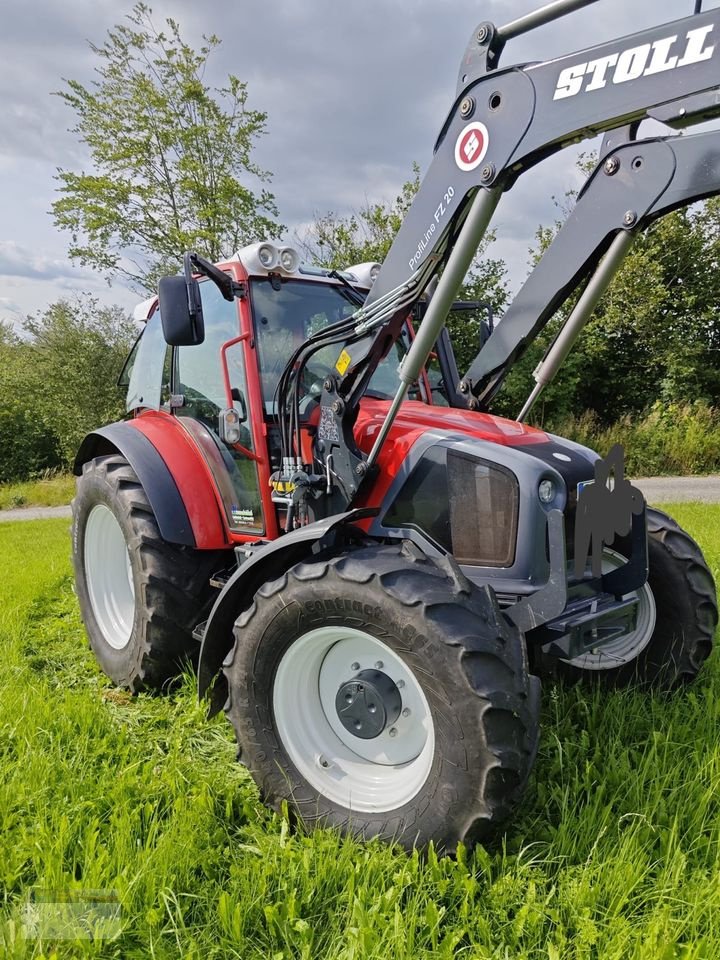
{"x":605,"y":510}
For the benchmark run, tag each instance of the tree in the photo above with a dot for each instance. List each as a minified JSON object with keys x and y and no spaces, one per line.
{"x":78,"y":349}
{"x":7,"y":333}
{"x":27,"y":446}
{"x":171,"y":158}
{"x":361,"y":237}
{"x":367,"y":234}
{"x":60,"y":382}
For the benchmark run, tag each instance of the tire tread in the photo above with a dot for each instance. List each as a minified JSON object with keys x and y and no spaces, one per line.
{"x":174,"y":580}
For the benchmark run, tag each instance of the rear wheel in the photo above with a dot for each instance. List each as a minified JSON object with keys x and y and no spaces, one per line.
{"x":377,"y":695}
{"x":676,"y":616}
{"x":140,"y":597}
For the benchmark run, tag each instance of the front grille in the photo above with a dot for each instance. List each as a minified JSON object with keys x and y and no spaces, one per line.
{"x":484,"y":501}
{"x":467,"y":505}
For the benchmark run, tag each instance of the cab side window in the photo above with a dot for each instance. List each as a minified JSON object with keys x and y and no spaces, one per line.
{"x":199,"y":368}
{"x":145,"y":370}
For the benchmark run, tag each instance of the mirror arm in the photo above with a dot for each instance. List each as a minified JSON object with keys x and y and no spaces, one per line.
{"x":193,"y":293}
{"x":228,"y":287}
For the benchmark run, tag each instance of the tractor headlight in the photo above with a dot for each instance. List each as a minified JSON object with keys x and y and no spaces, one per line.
{"x":267,"y":255}
{"x":365,"y":274}
{"x":546,"y":491}
{"x":259,"y":257}
{"x":289,"y":259}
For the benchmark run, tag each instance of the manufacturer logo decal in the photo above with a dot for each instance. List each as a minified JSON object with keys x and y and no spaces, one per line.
{"x":668,"y":53}
{"x":471,"y":146}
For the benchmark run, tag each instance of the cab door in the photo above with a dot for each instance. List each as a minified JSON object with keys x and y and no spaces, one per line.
{"x":199,"y":397}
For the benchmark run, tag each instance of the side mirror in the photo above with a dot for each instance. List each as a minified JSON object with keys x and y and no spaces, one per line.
{"x":181,"y":309}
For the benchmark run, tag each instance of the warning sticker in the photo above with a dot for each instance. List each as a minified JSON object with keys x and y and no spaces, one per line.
{"x":471,"y":146}
{"x":343,"y":362}
{"x":242,"y":517}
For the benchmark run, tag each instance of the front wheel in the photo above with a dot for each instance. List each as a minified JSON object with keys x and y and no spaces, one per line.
{"x":376,"y":695}
{"x":677,"y":615}
{"x":139,"y":596}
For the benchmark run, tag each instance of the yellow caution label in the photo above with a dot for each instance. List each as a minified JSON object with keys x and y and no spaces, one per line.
{"x":282,"y":486}
{"x":343,"y":362}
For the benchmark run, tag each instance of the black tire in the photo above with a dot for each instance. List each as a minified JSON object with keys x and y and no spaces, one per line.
{"x":170,"y":582}
{"x":684,"y":594}
{"x":468,"y":659}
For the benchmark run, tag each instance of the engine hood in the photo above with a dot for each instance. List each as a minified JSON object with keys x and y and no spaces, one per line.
{"x":415,"y":418}
{"x":573,"y":462}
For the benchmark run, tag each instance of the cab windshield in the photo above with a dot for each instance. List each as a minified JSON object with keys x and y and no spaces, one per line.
{"x":286,"y":314}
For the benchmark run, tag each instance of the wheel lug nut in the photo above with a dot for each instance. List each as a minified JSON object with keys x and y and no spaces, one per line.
{"x":399,"y":684}
{"x":406,"y":712}
{"x":371,"y":708}
{"x":379,"y":664}
{"x":392,"y":732}
{"x":323,"y":762}
{"x":355,"y":666}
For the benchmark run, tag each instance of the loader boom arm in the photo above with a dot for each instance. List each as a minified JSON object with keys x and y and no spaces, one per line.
{"x":632,"y":186}
{"x":502,"y":122}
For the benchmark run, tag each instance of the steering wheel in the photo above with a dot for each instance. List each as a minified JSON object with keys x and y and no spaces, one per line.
{"x":311,"y":384}
{"x":314,"y":375}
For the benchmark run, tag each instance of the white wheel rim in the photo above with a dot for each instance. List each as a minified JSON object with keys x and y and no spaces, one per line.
{"x":108,"y":574}
{"x":626,"y":648}
{"x":373,"y":775}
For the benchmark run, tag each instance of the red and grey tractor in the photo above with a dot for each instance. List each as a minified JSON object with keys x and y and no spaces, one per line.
{"x":370,"y":570}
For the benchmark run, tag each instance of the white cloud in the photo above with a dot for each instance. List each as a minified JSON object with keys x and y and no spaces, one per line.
{"x":17,"y":260}
{"x":9,"y":306}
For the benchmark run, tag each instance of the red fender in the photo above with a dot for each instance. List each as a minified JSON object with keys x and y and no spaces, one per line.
{"x":191,"y":475}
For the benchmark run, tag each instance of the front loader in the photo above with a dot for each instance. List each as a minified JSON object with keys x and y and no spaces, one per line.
{"x":372,"y":585}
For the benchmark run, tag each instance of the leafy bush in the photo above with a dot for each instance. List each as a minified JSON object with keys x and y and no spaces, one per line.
{"x":669,"y":439}
{"x":58,"y":383}
{"x":26,"y":446}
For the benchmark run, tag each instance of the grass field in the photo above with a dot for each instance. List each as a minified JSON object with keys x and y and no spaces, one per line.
{"x":615,"y":852}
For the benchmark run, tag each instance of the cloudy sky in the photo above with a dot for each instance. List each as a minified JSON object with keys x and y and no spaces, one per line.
{"x":355,"y":91}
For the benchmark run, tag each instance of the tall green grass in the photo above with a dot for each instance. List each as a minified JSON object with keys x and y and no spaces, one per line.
{"x":672,"y":439}
{"x":615,"y":853}
{"x":54,"y":490}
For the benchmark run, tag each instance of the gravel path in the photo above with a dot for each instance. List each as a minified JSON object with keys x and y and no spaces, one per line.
{"x":680,"y":489}
{"x":34,"y":513}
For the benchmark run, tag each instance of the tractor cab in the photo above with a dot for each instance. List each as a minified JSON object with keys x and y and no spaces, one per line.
{"x":220,"y":388}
